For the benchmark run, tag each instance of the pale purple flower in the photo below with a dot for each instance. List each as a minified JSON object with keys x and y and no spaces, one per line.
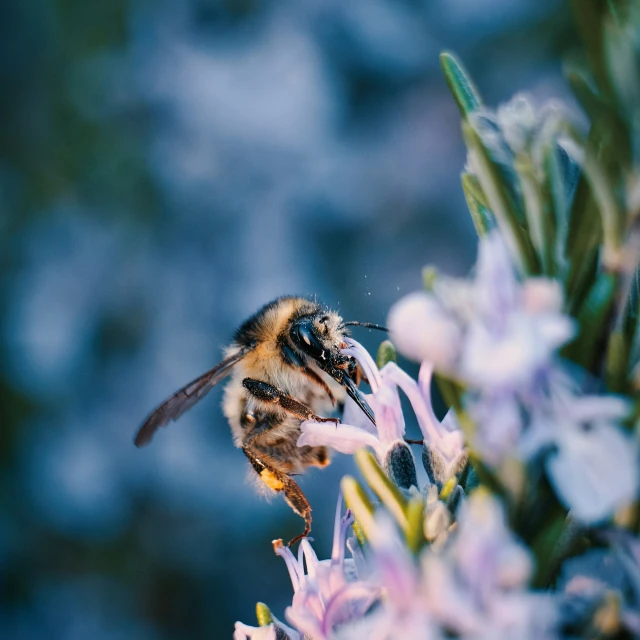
{"x":591,"y":463}
{"x":474,"y":587}
{"x":423,"y":330}
{"x":444,"y":438}
{"x":493,"y":333}
{"x":356,"y":430}
{"x":477,"y":587}
{"x":404,"y":611}
{"x":327,"y":593}
{"x":519,"y":126}
{"x":504,"y":346}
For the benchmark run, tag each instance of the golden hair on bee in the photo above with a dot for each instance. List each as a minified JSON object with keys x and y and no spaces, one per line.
{"x":286,"y":366}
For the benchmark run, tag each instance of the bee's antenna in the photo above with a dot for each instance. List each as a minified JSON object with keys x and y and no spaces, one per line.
{"x":368,"y":325}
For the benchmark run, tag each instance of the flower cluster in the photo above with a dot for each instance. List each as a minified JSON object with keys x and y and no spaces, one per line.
{"x":444,"y":441}
{"x":504,"y":336}
{"x":474,"y":587}
{"x":526,"y":523}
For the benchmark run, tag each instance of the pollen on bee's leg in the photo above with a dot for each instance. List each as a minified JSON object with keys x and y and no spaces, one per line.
{"x":271,"y":480}
{"x":322,"y":459}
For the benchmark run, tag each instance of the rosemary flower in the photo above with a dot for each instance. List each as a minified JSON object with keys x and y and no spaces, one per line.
{"x":443,"y":440}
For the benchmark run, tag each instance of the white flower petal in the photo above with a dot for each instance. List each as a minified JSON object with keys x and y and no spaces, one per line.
{"x":591,"y":409}
{"x":388,"y":413}
{"x":352,"y":414}
{"x":392,"y":560}
{"x":300,"y":616}
{"x":421,"y":330}
{"x":243,"y":631}
{"x":365,"y":361}
{"x":502,"y":360}
{"x":449,"y":603}
{"x":430,"y":426}
{"x":595,"y":471}
{"x":554,"y":330}
{"x":484,"y":545}
{"x":344,"y":438}
{"x":496,"y":286}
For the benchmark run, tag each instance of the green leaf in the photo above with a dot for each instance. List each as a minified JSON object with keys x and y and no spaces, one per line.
{"x":544,"y":546}
{"x":589,"y":18}
{"x":617,"y":363}
{"x":604,"y":166}
{"x":415,"y":524}
{"x":429,"y":277}
{"x":360,"y":537}
{"x":631,"y":320}
{"x":581,"y":276}
{"x":593,"y":318}
{"x":486,"y":479}
{"x":386,"y":354}
{"x":585,"y":228}
{"x":612,"y":215}
{"x":620,"y":52}
{"x":539,"y":214}
{"x":583,"y":237}
{"x":358,"y":501}
{"x":540,"y":520}
{"x":450,"y":391}
{"x":481,"y":216}
{"x":584,"y":89}
{"x":460,"y":84}
{"x":382,"y":486}
{"x":470,"y":183}
{"x":492,"y":184}
{"x":263,"y":614}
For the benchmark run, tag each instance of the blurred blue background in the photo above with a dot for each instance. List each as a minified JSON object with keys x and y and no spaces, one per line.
{"x":166,"y":167}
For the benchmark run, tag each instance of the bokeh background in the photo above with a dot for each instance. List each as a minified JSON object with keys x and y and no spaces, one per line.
{"x":166,"y":167}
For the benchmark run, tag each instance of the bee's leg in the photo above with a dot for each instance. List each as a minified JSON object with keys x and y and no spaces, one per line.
{"x":272,"y":395}
{"x":278,"y":481}
{"x":296,"y":499}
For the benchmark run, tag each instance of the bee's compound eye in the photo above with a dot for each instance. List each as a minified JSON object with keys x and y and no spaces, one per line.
{"x":305,"y":338}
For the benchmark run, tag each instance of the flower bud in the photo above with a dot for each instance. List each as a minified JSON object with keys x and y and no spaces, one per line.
{"x":439,"y":469}
{"x":400,"y":466}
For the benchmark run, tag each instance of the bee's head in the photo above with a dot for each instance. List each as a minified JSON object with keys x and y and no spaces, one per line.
{"x":319,"y":336}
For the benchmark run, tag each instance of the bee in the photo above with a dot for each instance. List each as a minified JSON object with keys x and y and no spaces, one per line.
{"x":285,"y":366}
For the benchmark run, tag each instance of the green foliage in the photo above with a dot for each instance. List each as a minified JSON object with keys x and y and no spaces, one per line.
{"x":358,"y":501}
{"x":480,"y":214}
{"x":564,"y":201}
{"x":462,"y":87}
{"x":500,"y":202}
{"x":386,"y":353}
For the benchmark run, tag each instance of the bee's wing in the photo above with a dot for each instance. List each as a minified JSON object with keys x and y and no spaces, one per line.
{"x":183,"y":399}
